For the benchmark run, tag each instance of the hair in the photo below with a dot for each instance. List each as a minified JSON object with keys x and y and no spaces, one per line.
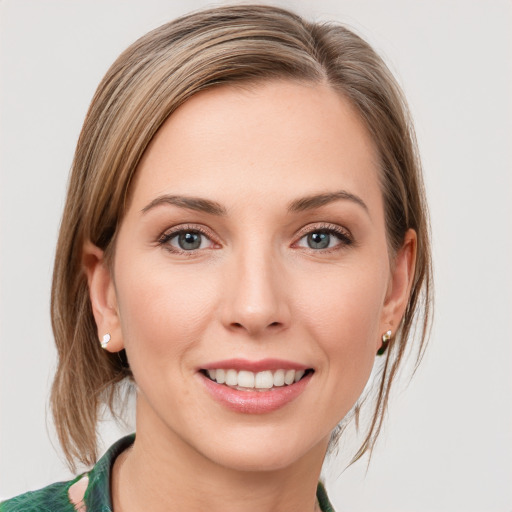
{"x":145,"y":85}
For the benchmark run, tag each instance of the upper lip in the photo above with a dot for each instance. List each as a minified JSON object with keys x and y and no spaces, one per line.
{"x":255,"y":366}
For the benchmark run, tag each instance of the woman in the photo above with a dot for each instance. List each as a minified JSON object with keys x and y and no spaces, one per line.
{"x":245,"y":230}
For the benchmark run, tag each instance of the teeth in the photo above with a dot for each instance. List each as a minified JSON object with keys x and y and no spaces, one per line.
{"x":289,"y":377}
{"x":264,"y":380}
{"x":246,"y":379}
{"x":250,"y":380}
{"x":279,"y":378}
{"x":232,"y":378}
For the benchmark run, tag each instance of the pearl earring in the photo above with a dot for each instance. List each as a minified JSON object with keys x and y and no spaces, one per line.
{"x":105,"y":340}
{"x":385,"y":340}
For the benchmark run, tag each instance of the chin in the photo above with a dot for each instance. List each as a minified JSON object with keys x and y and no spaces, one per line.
{"x":264,"y":451}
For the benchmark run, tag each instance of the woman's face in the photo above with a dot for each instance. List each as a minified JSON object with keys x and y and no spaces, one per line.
{"x":253,"y":250}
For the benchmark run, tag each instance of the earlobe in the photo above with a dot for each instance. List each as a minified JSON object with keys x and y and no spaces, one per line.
{"x":102,"y":296}
{"x":400,"y":284}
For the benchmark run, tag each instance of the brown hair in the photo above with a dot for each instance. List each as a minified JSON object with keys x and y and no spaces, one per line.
{"x":144,"y":86}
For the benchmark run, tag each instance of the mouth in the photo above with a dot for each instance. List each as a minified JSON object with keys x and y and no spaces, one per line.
{"x":255,"y":387}
{"x":266,"y":380}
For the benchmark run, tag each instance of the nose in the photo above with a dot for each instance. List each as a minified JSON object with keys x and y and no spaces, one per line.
{"x":255,"y":295}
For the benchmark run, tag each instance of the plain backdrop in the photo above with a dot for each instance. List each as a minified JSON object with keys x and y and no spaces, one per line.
{"x":447,"y":445}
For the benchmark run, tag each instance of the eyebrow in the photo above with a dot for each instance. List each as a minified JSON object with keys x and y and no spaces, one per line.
{"x":317,"y":200}
{"x":214,"y":208}
{"x":191,"y":203}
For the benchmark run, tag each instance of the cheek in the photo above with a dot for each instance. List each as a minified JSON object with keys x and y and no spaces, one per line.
{"x":163,"y":310}
{"x":342,"y":312}
{"x":344,"y":306}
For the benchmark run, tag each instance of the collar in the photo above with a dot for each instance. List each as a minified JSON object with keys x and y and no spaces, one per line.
{"x":98,"y":498}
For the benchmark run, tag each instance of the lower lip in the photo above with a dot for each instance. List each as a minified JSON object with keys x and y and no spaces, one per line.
{"x":255,"y":402}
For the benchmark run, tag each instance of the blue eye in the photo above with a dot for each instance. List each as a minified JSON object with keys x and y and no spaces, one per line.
{"x":318,"y":240}
{"x":324,"y":239}
{"x":186,"y":240}
{"x":189,"y":241}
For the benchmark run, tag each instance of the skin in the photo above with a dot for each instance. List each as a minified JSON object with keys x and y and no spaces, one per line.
{"x":255,"y":289}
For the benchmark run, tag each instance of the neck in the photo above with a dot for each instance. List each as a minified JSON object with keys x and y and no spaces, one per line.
{"x":164,"y":473}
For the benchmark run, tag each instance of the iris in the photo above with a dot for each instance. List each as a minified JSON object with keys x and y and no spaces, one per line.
{"x":319,"y":240}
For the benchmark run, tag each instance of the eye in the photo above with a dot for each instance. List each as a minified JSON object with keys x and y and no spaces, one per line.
{"x":186,"y":240}
{"x":320,"y":240}
{"x":325,"y":238}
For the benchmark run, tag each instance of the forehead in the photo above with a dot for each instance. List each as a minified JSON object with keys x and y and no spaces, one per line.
{"x":269,"y":138}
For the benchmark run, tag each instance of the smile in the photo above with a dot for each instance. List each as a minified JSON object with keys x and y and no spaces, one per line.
{"x":255,"y":387}
{"x":245,"y":380}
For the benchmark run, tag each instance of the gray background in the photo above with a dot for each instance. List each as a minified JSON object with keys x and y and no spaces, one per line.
{"x":447,"y":445}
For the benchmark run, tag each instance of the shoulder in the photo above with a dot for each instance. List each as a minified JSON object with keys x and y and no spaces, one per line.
{"x":53,"y":498}
{"x":89,"y":491}
{"x":323,"y":499}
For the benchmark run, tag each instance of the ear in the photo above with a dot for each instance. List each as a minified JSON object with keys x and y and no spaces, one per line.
{"x":102,"y":294}
{"x":400,"y":284}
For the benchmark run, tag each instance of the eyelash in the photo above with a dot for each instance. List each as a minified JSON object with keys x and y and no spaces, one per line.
{"x":169,"y":235}
{"x":342,"y":234}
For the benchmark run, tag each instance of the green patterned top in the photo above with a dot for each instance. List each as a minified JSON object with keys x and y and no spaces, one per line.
{"x":70,"y":496}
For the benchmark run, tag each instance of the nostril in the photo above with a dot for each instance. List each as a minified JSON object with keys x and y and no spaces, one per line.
{"x":256,"y":326}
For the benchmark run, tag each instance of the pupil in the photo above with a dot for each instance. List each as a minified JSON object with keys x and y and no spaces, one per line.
{"x":189,"y":241}
{"x":318,"y":240}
